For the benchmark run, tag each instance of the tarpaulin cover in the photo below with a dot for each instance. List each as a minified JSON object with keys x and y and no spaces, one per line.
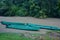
{"x":28,"y":26}
{"x":23,"y":27}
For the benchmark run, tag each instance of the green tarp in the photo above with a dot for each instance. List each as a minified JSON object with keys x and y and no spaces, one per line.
{"x":28,"y":26}
{"x":13,"y":23}
{"x":23,"y":27}
{"x":45,"y":27}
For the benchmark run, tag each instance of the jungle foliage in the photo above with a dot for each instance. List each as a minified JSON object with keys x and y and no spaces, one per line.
{"x":34,"y":8}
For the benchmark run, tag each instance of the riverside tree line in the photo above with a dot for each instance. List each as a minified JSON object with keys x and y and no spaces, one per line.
{"x":33,"y":8}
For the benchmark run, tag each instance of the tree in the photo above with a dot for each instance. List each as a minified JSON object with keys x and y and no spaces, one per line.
{"x":34,"y":8}
{"x":58,"y":7}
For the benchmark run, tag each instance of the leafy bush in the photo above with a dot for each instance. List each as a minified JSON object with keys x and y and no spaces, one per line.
{"x":11,"y":10}
{"x":21,"y":12}
{"x":34,"y":8}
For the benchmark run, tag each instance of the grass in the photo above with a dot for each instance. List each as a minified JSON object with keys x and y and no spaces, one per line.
{"x":11,"y":36}
{"x":53,"y":38}
{"x":20,"y":36}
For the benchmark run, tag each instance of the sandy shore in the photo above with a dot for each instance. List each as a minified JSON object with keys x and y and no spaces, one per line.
{"x":48,"y":21}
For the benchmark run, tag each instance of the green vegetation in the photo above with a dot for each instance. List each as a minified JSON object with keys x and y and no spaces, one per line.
{"x":11,"y":36}
{"x":17,"y":36}
{"x":52,"y":35}
{"x":34,"y":8}
{"x":27,"y":36}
